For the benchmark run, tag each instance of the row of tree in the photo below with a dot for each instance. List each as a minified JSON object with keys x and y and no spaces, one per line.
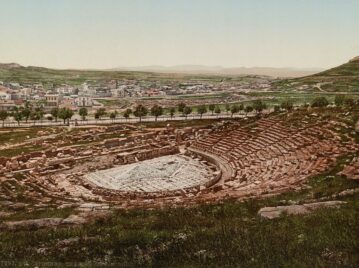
{"x":258,"y":106}
{"x":319,"y":102}
{"x":36,"y":112}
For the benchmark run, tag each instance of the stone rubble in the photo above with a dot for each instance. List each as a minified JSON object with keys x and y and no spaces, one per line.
{"x":276,"y":212}
{"x":352,"y":170}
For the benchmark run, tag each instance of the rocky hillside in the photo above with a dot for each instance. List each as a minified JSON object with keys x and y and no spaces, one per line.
{"x":343,"y":78}
{"x":349,"y":69}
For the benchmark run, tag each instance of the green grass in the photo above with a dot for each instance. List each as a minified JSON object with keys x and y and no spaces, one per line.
{"x":190,"y":97}
{"x":277,"y":97}
{"x":297,"y":98}
{"x":200,"y":97}
{"x":223,"y":235}
{"x":19,"y":150}
{"x":179,"y":124}
{"x":39,"y":214}
{"x":16,"y":135}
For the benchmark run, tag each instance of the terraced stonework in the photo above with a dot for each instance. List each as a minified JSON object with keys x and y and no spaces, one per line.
{"x":131,"y":166}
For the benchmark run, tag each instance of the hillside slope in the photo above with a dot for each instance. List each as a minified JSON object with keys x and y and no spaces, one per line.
{"x":349,"y":69}
{"x":343,"y":78}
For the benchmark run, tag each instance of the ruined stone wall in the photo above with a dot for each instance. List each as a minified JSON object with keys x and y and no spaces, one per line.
{"x":149,"y":154}
{"x":146,"y":154}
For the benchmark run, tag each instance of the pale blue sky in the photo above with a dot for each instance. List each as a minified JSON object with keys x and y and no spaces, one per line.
{"x":112,"y":33}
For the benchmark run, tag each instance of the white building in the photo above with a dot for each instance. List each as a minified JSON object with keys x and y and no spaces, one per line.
{"x":52,"y":100}
{"x":84,"y":101}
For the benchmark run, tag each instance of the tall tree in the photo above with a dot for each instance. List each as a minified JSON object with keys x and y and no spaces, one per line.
{"x":27,"y":111}
{"x":83,"y":113}
{"x":258,"y":106}
{"x":140,"y":111}
{"x":181,"y":107}
{"x":172,"y":111}
{"x":65,"y":114}
{"x":248,"y":109}
{"x":202,"y":109}
{"x":156,"y":111}
{"x":39,"y":110}
{"x":55,"y":113}
{"x":34,"y":116}
{"x":217,"y":110}
{"x":186,"y":111}
{"x":234,"y":109}
{"x":100,"y":113}
{"x":3,"y":116}
{"x":113,"y":115}
{"x":17,"y":116}
{"x":127,"y":113}
{"x":211,"y":107}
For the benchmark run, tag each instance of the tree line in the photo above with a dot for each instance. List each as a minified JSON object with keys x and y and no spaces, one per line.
{"x":35,"y":112}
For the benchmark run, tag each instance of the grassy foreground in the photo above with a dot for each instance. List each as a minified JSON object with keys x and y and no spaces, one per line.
{"x":228,"y":234}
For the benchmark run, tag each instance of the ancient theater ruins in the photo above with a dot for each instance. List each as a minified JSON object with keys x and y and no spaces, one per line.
{"x":134,"y":165}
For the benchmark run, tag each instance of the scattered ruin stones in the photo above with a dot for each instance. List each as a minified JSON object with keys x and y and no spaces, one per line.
{"x":30,"y":224}
{"x":351,"y":171}
{"x":72,"y":220}
{"x":275,"y":212}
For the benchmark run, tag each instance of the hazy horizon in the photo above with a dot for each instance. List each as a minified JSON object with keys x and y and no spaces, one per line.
{"x":93,"y":34}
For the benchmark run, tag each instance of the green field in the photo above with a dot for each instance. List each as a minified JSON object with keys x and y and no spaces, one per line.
{"x":298,"y":98}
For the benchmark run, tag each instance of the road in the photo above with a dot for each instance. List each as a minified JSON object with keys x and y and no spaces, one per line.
{"x":132,"y":120}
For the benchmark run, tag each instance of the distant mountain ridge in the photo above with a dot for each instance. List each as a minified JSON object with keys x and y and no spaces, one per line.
{"x":10,"y":65}
{"x":343,"y":78}
{"x":199,"y":69}
{"x":194,"y":69}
